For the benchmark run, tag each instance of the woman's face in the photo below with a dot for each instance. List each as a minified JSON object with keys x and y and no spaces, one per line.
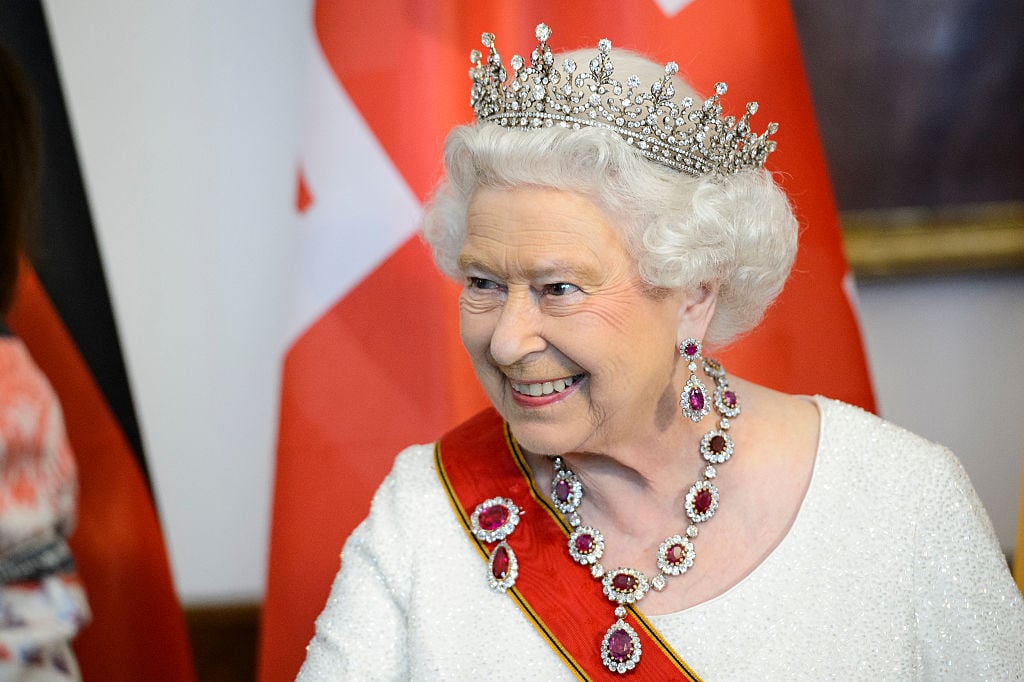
{"x":571,"y":346}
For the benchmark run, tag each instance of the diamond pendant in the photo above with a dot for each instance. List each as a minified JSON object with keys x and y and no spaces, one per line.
{"x":693,"y":400}
{"x":502,"y":568}
{"x":620,"y":648}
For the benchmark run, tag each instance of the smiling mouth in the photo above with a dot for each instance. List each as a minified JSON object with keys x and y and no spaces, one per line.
{"x":546,"y":387}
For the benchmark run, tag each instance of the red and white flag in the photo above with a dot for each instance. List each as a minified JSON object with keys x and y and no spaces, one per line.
{"x":375,"y":362}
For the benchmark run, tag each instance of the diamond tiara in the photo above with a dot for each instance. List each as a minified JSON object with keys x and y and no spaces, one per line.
{"x":687,"y":137}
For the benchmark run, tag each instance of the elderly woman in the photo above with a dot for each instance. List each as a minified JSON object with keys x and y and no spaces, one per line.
{"x":627,"y":504}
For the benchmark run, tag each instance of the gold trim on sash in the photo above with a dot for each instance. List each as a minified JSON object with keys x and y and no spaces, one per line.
{"x":524,"y":606}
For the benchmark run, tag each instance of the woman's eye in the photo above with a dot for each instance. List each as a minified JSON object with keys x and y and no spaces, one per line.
{"x":480,"y":283}
{"x":560,"y":289}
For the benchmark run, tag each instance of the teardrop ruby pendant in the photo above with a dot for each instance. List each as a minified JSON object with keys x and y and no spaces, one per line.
{"x":620,"y":648}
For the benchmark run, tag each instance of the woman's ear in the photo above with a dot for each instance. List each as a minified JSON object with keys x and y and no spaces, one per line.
{"x":696,"y":310}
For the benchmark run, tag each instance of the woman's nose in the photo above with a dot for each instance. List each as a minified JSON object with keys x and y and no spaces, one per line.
{"x":518,"y":329}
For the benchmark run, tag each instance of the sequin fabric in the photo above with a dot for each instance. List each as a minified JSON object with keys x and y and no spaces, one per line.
{"x":890,"y":571}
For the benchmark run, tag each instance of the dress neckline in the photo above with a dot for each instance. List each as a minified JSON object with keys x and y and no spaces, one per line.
{"x":821,"y":403}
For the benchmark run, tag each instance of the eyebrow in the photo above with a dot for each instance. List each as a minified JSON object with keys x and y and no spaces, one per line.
{"x":561,"y":268}
{"x":553,"y":269}
{"x":465,"y":262}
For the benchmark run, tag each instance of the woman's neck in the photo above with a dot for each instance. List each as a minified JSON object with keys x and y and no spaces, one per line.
{"x":632,"y":487}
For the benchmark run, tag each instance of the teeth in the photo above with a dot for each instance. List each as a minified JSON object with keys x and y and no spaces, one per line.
{"x":546,"y":388}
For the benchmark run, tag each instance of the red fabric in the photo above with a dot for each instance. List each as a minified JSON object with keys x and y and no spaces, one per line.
{"x":368,"y":379}
{"x":384,"y":368}
{"x":138,"y":629}
{"x":477,"y":464}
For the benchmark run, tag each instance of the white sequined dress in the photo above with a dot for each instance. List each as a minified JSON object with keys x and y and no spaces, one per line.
{"x":891,"y":571}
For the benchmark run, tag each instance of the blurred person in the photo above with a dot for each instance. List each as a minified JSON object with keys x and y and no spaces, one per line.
{"x":42,"y":602}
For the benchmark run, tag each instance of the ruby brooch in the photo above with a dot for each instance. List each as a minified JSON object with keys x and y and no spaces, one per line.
{"x":494,"y":520}
{"x":621,"y":647}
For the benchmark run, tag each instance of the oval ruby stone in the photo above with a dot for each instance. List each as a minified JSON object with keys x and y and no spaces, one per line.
{"x":494,"y":517}
{"x":624,"y":582}
{"x":562,"y":491}
{"x":690,"y":349}
{"x":620,"y":645}
{"x":717,"y":445}
{"x":702,"y":501}
{"x":584,"y":543}
{"x":729,"y":398}
{"x":499,"y":565}
{"x":696,"y":400}
{"x":675,"y":554}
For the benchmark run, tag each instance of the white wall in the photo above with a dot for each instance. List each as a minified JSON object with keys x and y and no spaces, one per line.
{"x":947,"y":362}
{"x":185,"y":117}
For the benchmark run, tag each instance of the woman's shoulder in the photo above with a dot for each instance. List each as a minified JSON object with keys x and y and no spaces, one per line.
{"x":413,"y":461}
{"x":850,"y":427}
{"x":412,"y":474}
{"x":858,"y":445}
{"x":869,"y":464}
{"x":410,"y":491}
{"x":843,"y":443}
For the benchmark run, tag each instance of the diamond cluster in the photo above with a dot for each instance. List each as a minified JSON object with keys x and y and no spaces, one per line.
{"x":687,"y":136}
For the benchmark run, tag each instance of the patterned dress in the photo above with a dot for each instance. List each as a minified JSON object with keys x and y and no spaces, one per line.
{"x":42,"y":603}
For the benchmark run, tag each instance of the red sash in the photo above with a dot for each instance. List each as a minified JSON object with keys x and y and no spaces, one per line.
{"x":479,"y":460}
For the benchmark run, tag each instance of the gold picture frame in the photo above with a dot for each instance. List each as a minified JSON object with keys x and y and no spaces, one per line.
{"x":969,"y":238}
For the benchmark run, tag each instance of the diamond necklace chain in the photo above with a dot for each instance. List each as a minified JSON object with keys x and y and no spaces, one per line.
{"x":621,"y":647}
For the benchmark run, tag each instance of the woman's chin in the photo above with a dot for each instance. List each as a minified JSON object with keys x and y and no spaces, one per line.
{"x":546,"y":424}
{"x":546,"y":439}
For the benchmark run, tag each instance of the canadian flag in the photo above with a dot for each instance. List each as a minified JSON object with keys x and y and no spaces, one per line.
{"x":375,"y":362}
